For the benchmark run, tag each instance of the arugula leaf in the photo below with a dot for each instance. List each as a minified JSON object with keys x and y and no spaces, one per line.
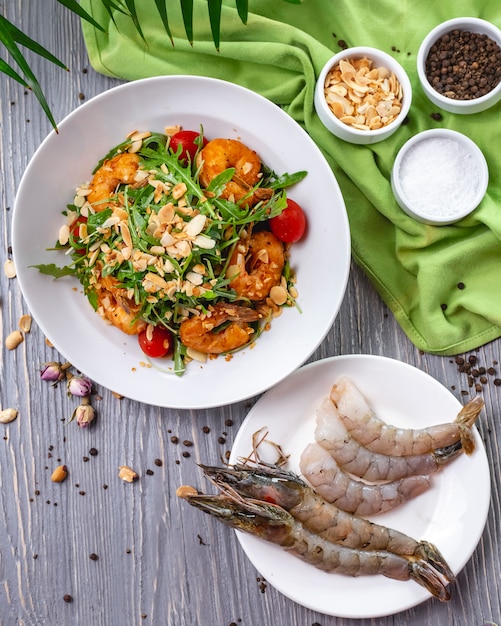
{"x":50,"y":269}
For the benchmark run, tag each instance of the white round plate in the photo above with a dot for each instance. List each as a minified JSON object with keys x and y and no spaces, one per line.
{"x":451,"y":514}
{"x":103,"y":353}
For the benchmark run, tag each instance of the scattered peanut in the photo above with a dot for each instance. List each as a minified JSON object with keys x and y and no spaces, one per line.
{"x":9,"y":268}
{"x":25,"y":323}
{"x":13,"y":340}
{"x":59,"y":474}
{"x":8,"y":415}
{"x":186,"y":490}
{"x":127,"y":474}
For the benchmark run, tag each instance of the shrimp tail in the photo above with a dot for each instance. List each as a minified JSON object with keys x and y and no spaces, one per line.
{"x":427,"y":577}
{"x":432,"y":555}
{"x":465,"y":420}
{"x":445,"y":455}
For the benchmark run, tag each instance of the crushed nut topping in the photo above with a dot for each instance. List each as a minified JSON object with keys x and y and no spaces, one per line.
{"x":363,"y":96}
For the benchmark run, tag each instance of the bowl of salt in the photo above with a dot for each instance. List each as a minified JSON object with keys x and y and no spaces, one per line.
{"x":439,"y":176}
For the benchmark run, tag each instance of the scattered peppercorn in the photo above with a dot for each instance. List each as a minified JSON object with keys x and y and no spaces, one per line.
{"x":460,"y":285}
{"x":67,"y":598}
{"x":436,"y":116}
{"x":85,"y":459}
{"x":443,"y":307}
{"x":206,"y":430}
{"x":186,"y":454}
{"x":150,"y":472}
{"x":221,"y":440}
{"x":93,"y":557}
{"x":158,"y":462}
{"x":93,"y":452}
{"x":187,"y":443}
{"x":174,"y":439}
{"x":463,"y":65}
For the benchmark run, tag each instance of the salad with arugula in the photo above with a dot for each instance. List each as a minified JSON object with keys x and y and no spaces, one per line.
{"x":165,"y":248}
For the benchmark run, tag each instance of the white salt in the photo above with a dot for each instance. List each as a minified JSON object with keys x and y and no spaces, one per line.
{"x":439,"y":177}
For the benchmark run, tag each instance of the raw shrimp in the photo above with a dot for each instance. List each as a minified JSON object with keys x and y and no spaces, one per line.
{"x":117,"y":307}
{"x":202,"y":332}
{"x":256,"y":265}
{"x":354,"y":496}
{"x":221,"y":154}
{"x":332,"y":435}
{"x":121,"y":168}
{"x":283,"y":488}
{"x":275,"y":525}
{"x":370,"y":431}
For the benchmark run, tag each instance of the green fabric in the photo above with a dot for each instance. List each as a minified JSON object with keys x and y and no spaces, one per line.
{"x":415,"y":268}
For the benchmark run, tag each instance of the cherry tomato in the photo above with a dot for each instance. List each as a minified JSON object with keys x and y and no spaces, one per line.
{"x":186,"y":139}
{"x":290,"y":225}
{"x":160,"y":344}
{"x":75,"y":230}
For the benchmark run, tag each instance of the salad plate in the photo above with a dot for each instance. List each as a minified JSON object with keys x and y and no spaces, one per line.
{"x":105,"y":354}
{"x":451,"y":514}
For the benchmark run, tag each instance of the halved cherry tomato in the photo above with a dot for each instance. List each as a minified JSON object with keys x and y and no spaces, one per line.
{"x":186,"y":139}
{"x":81,"y":219}
{"x":290,"y":225}
{"x":161,"y":342}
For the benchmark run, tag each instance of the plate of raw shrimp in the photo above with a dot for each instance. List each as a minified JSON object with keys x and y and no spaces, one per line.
{"x":449,"y":514}
{"x":59,"y":184}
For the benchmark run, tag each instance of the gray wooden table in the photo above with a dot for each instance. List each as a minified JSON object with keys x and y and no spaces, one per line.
{"x":133,"y":554}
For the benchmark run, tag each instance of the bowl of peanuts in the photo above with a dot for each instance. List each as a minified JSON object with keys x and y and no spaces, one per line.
{"x":459,"y":65}
{"x":362,"y":95}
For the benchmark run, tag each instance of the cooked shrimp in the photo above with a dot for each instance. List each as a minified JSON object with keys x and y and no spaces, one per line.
{"x":221,"y":154}
{"x":283,"y":488}
{"x":354,"y":496}
{"x":256,"y":265}
{"x":275,"y":525}
{"x":117,"y":307}
{"x":121,"y":168}
{"x":373,"y":433}
{"x":331,"y":434}
{"x":202,"y":332}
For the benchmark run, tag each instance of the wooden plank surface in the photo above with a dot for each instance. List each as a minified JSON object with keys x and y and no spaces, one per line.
{"x":155,"y":561}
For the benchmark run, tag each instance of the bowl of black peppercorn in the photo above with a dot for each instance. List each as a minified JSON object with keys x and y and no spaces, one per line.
{"x":459,"y":65}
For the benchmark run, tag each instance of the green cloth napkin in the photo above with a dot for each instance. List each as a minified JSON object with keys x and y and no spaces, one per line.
{"x":415,"y":268}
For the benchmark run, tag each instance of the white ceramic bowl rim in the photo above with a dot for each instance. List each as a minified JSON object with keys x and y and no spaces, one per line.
{"x":358,"y":52}
{"x":465,"y":141}
{"x":462,"y":23}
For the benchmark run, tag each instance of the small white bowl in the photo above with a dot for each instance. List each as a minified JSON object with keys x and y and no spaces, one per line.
{"x":344,"y":131}
{"x":472,"y":25}
{"x":439,"y":176}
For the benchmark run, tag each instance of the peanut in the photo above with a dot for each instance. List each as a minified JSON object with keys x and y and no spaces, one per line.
{"x":13,"y":340}
{"x":59,"y":474}
{"x":8,"y":415}
{"x":127,"y":474}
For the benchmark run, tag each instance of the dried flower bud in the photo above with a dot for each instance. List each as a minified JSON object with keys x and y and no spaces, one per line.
{"x":52,"y":372}
{"x":79,"y":386}
{"x":84,"y":414}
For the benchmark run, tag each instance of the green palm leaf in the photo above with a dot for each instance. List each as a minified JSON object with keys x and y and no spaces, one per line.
{"x":243,"y":10}
{"x":11,"y":36}
{"x":5,"y":68}
{"x":8,"y":36}
{"x":187,"y":11}
{"x":162,"y":9}
{"x":75,"y":7}
{"x":131,"y":7}
{"x":215,"y":20}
